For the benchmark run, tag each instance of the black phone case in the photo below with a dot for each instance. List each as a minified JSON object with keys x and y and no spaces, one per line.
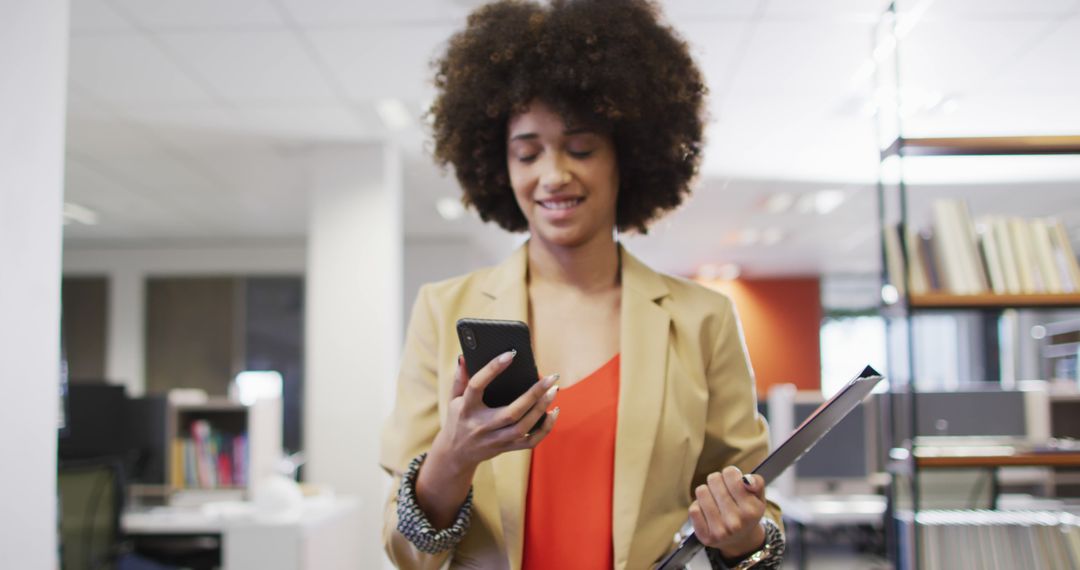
{"x":494,"y":337}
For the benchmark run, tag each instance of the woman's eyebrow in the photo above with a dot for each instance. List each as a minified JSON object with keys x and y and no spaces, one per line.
{"x":579,"y":131}
{"x":524,"y":136}
{"x":566,"y":133}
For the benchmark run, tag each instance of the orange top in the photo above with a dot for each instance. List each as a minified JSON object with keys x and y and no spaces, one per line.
{"x":568,"y":507}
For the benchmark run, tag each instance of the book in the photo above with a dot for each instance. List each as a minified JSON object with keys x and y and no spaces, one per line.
{"x":1044,"y":254}
{"x":1007,"y":255}
{"x":949,"y":249}
{"x":894,"y":258}
{"x":1065,"y":255}
{"x":918,"y":275}
{"x":1030,"y":281}
{"x":991,"y":255}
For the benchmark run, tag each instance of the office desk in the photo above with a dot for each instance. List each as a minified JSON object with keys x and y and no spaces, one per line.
{"x":825,"y":511}
{"x":321,"y":536}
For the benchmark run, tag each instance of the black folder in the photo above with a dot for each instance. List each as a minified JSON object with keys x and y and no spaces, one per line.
{"x":805,"y":436}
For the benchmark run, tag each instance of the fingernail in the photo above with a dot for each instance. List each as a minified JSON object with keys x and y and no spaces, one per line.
{"x":554,"y":414}
{"x":552,"y":391}
{"x":551,"y":380}
{"x":746,"y":481}
{"x":507,"y":356}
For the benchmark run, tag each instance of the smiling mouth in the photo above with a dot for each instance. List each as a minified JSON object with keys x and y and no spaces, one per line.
{"x":561,"y":204}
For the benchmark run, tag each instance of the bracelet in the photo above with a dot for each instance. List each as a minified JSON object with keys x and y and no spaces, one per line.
{"x":413,"y":523}
{"x":768,"y":556}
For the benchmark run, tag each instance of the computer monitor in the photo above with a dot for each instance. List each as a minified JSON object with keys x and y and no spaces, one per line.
{"x":97,"y":416}
{"x":972,"y":412}
{"x":844,"y":452}
{"x":145,"y":429}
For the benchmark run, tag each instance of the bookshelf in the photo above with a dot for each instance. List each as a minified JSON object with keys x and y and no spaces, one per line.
{"x":220,"y":449}
{"x":978,"y":268}
{"x":947,"y":301}
{"x":925,"y":274}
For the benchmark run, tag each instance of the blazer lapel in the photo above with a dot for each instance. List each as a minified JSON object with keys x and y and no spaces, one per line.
{"x":644,"y":330}
{"x":506,"y":287}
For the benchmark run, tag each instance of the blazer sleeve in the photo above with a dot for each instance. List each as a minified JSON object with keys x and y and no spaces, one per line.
{"x":412,"y":427}
{"x":735,"y":434}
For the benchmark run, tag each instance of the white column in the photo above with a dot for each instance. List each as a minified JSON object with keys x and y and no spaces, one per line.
{"x":33,"y":65}
{"x":352,"y":323}
{"x":125,"y":347}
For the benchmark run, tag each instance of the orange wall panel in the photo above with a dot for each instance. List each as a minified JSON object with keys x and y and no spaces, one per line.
{"x":781,"y":320}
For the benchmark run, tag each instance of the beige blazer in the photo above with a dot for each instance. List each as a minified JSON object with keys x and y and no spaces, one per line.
{"x":686,"y":409}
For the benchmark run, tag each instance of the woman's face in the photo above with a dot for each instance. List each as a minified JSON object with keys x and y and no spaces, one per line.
{"x":565,"y":177}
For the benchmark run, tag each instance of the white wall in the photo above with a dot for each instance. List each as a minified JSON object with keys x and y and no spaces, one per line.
{"x":353,"y":321}
{"x":127,"y":269}
{"x":33,"y":65}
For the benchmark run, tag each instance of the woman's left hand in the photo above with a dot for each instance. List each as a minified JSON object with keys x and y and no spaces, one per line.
{"x":727,"y":513}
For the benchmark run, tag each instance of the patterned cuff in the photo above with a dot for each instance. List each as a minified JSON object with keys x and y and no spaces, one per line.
{"x":768,"y":558}
{"x":414,"y":525}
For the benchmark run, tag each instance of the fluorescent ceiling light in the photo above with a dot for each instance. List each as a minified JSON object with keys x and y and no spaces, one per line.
{"x":394,"y":114}
{"x":772,"y":236}
{"x":449,"y":208}
{"x":779,"y":203}
{"x":718,"y":272}
{"x":75,"y":213}
{"x":826,"y":201}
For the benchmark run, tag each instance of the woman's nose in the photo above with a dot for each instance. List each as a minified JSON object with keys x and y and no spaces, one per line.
{"x":554,"y":174}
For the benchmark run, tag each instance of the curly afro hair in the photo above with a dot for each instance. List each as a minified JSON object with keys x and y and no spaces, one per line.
{"x":609,"y":64}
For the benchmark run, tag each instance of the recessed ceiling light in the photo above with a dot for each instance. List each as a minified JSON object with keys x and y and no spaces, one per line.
{"x":779,"y":203}
{"x":394,"y":114}
{"x":449,"y":208}
{"x":749,"y":236}
{"x":75,"y":213}
{"x":729,"y":272}
{"x":772,"y":236}
{"x":826,"y":201}
{"x":718,"y":272}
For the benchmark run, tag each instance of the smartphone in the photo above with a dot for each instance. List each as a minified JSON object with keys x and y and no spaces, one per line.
{"x":482,"y":340}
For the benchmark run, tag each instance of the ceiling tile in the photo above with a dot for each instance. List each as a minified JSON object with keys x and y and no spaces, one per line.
{"x":861,"y":10}
{"x":352,"y":13}
{"x":252,"y":66}
{"x":315,"y":122}
{"x":996,"y":9}
{"x":952,"y":58}
{"x":95,"y":16}
{"x":680,"y":10}
{"x":219,"y":123}
{"x":1051,"y":67}
{"x":105,"y":138}
{"x":357,"y":57}
{"x":124,"y":69}
{"x":793,"y":58}
{"x":715,"y":48}
{"x":201,"y":14}
{"x":122,"y":211}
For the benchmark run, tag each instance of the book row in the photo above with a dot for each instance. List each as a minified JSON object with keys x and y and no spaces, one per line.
{"x":993,"y":254}
{"x":998,"y":539}
{"x":209,"y":459}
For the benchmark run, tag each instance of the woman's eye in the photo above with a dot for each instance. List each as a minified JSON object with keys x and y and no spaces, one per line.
{"x":527,"y":158}
{"x":580,"y":153}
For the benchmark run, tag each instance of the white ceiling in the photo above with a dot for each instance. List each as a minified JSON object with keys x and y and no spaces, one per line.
{"x":182,"y":114}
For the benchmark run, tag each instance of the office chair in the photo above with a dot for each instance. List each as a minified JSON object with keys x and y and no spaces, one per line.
{"x":91,"y":494}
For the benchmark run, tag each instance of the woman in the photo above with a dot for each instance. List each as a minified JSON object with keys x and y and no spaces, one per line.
{"x":572,"y":121}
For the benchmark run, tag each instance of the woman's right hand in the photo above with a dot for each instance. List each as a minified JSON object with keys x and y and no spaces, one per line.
{"x":473,"y":433}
